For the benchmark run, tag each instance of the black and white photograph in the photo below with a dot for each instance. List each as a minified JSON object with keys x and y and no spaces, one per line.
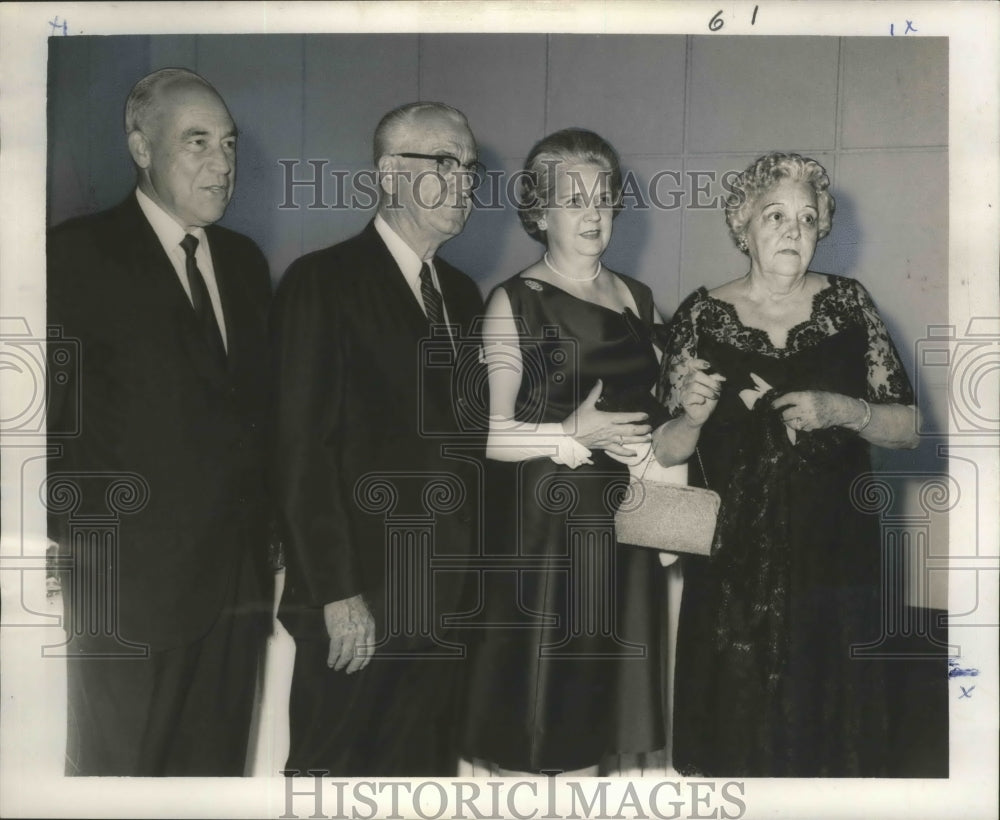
{"x":490,"y":409}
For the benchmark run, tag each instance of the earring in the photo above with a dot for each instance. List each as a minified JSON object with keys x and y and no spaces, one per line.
{"x":542,"y":225}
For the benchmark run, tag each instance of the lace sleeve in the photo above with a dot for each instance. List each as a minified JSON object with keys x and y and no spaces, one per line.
{"x":887,"y":379}
{"x":680,"y":345}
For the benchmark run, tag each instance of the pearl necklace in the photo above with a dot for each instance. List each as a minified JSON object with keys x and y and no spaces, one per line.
{"x":551,"y":267}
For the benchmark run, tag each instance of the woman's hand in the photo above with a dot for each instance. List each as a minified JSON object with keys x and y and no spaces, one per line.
{"x":699,"y":392}
{"x":613,"y":432}
{"x":818,"y":409}
{"x":886,"y":425}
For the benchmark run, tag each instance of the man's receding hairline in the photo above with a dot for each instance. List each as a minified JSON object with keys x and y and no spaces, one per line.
{"x":421,"y":118}
{"x":392,"y":133}
{"x":176,"y":83}
{"x":150,"y":109}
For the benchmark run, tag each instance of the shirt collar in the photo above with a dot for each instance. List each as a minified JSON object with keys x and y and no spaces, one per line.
{"x":166,"y":229}
{"x":406,"y":258}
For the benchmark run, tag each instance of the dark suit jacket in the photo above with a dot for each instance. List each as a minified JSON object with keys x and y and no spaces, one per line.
{"x":153,"y":403}
{"x":379,"y":427}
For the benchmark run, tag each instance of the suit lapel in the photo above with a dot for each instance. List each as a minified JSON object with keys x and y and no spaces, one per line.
{"x":149,"y":261}
{"x":399,"y":294}
{"x":468,"y":396}
{"x":406,"y":330}
{"x":231,"y":298}
{"x":453,"y":302}
{"x":398,"y":297}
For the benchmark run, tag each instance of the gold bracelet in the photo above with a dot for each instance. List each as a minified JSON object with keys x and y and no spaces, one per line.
{"x":868,"y":416}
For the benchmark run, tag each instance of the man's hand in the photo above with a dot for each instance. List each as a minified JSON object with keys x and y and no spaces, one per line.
{"x":352,"y":634}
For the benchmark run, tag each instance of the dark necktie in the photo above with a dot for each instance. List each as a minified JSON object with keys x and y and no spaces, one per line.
{"x":200,"y":299}
{"x":433,"y":301}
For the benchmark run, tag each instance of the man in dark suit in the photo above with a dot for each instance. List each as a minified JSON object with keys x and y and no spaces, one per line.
{"x":167,"y":620}
{"x":379,"y":438}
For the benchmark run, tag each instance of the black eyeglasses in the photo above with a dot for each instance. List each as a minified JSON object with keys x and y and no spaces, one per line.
{"x":448,"y":164}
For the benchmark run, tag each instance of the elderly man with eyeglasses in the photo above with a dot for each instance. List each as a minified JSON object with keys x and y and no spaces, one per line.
{"x":378,"y":445}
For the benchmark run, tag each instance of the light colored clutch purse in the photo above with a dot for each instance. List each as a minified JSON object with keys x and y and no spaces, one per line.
{"x":663,"y":513}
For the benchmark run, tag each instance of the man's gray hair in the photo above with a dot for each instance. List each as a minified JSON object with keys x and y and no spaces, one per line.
{"x":396,"y":120}
{"x":142,"y":97}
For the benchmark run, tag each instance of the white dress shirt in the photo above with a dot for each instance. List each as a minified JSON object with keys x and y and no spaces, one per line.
{"x":170,"y":235}
{"x":409,"y":263}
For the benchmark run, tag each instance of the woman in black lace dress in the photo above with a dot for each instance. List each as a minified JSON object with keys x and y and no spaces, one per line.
{"x":568,"y":669}
{"x":782,"y":379}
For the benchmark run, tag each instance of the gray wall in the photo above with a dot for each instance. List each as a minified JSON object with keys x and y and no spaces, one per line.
{"x":874,"y":111}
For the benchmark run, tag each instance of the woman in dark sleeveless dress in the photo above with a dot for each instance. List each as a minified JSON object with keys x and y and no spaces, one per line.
{"x":568,"y":670}
{"x":790,"y":376}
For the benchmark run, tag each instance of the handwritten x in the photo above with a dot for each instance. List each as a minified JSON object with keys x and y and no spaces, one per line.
{"x":966,"y":693}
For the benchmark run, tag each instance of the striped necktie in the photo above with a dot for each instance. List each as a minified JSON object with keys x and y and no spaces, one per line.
{"x":433,"y":301}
